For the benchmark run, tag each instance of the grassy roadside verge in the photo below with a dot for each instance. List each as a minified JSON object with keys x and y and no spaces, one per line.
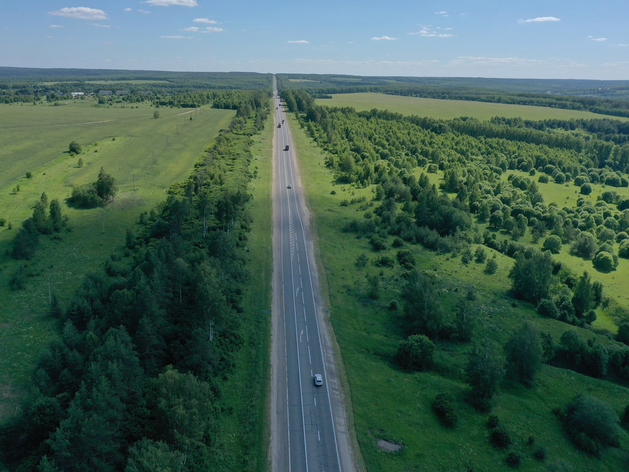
{"x":243,"y":438}
{"x":391,"y":404}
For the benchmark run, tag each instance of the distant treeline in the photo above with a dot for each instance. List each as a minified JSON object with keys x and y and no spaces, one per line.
{"x":136,"y":378}
{"x":29,"y":85}
{"x":613,"y":89}
{"x":472,"y":92}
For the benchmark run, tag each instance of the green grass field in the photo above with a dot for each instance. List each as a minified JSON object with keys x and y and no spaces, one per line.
{"x":145,"y":156}
{"x":391,"y":404}
{"x":449,"y":109}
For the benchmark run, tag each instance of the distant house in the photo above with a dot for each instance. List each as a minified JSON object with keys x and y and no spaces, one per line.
{"x":105,"y":92}
{"x":77,"y":94}
{"x":122,"y":92}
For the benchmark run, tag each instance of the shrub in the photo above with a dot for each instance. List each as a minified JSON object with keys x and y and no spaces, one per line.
{"x":415,"y":352}
{"x":74,"y":148}
{"x":623,"y":333}
{"x":377,"y":243}
{"x":492,"y":266}
{"x":445,"y":408}
{"x":500,"y":437}
{"x":3,"y":221}
{"x":384,"y":261}
{"x":406,"y":259}
{"x":480,"y":255}
{"x":604,"y":262}
{"x":548,"y":308}
{"x":540,"y":453}
{"x":513,"y":459}
{"x":18,"y":279}
{"x":29,"y":175}
{"x":397,"y":242}
{"x":552,"y":244}
{"x":623,"y":250}
{"x":543,"y":179}
{"x":361,"y":260}
{"x":591,"y":423}
{"x":621,"y":236}
{"x":584,"y":246}
{"x":85,"y":196}
{"x":493,"y":421}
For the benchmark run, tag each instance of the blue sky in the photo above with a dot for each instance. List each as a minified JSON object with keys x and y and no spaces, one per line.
{"x":483,"y":38}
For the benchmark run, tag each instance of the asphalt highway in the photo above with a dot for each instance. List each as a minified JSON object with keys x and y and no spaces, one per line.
{"x":306,"y":440}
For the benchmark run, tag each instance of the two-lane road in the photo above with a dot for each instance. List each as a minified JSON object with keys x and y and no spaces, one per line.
{"x":304,"y":437}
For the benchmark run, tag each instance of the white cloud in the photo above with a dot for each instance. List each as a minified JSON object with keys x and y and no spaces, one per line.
{"x":494,"y":61}
{"x":167,"y":3}
{"x":442,"y":13}
{"x":623,"y":45}
{"x":81,"y":13}
{"x":299,"y":41}
{"x":98,"y":25}
{"x":212,"y":29}
{"x":205,"y":20}
{"x":191,"y":29}
{"x":176,"y":37}
{"x":146,"y":12}
{"x":539,"y":19}
{"x":592,"y":38}
{"x":128,"y":9}
{"x":383,"y":38}
{"x":430,"y":32}
{"x":56,"y":26}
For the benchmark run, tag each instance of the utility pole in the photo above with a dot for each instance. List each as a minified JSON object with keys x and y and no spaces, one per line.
{"x":102,"y":219}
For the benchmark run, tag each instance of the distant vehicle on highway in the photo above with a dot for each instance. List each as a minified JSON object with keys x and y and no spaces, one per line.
{"x":289,"y":186}
{"x":282,"y":121}
{"x":286,"y":148}
{"x":318,"y":380}
{"x":279,"y":125}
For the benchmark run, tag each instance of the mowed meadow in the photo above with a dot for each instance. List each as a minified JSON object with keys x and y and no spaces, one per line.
{"x":450,"y":109}
{"x":145,"y":155}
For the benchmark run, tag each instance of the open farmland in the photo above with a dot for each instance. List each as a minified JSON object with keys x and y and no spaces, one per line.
{"x":449,"y":109}
{"x":144,"y":155}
